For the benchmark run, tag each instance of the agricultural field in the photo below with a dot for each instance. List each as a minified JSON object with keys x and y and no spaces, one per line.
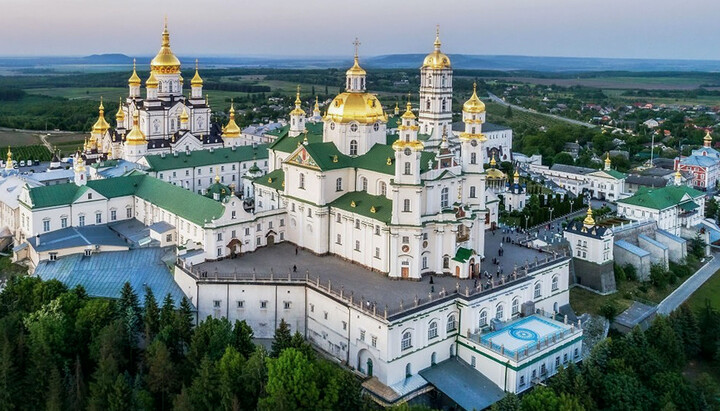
{"x":621,"y":82}
{"x":496,"y":113}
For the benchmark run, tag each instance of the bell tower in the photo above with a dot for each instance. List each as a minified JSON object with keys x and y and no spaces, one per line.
{"x":436,"y":94}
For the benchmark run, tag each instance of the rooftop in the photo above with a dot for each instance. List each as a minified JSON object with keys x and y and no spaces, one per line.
{"x":104,"y":274}
{"x":199,"y":158}
{"x":77,"y":237}
{"x":463,"y":384}
{"x":375,"y":288}
{"x":524,"y":336}
{"x":662,"y":198}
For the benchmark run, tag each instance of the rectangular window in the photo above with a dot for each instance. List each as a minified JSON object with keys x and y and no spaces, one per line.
{"x":357,"y":245}
{"x":377,"y":252}
{"x":98,"y":218}
{"x":282,"y":222}
{"x":219,"y":236}
{"x":373,"y":341}
{"x":216,"y":303}
{"x":63,"y":222}
{"x":219,"y":252}
{"x":53,"y":256}
{"x":338,"y":240}
{"x":259,"y":227}
{"x":325,"y":315}
{"x":81,"y":221}
{"x":344,"y":325}
{"x":128,"y":212}
{"x":362,"y":335}
{"x":263,"y":304}
{"x":113,"y":215}
{"x":258,"y":241}
{"x":247,"y":231}
{"x":168,"y":238}
{"x":46,"y":225}
{"x":286,"y":305}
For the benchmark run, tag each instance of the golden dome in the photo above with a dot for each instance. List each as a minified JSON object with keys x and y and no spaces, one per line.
{"x":317,"y":106}
{"x":165,"y":61}
{"x":101,"y":125}
{"x":437,"y":59}
{"x":495,"y":174}
{"x":152,"y":82}
{"x":361,"y":107}
{"x":134,"y":80}
{"x":589,"y":220}
{"x":297,"y":111}
{"x":196,"y":81}
{"x":607,"y":160}
{"x":120,"y":115}
{"x":408,"y":112}
{"x":232,"y":129}
{"x":356,"y":70}
{"x":135,"y":137}
{"x":516,"y":175}
{"x":708,"y":137}
{"x":474,"y":105}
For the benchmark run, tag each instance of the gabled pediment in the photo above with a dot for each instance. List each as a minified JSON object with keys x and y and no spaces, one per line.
{"x":302,"y":157}
{"x":86,"y":194}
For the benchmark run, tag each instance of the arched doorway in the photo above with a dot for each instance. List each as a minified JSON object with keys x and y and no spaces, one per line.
{"x":369,"y":367}
{"x":235,"y":246}
{"x":270,"y":240}
{"x":472,"y":268}
{"x":433,"y":358}
{"x":452,"y":350}
{"x":555,"y":307}
{"x":408,"y":370}
{"x":365,"y":363}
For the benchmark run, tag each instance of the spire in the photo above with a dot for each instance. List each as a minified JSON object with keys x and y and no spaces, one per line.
{"x":120,"y":115}
{"x":184,"y":119}
{"x":608,"y":162}
{"x":356,"y":70}
{"x":101,"y":125}
{"x":437,"y":43}
{"x":707,"y":141}
{"x":678,"y":177}
{"x":9,"y":162}
{"x":589,"y":220}
{"x":134,"y":80}
{"x":297,"y":111}
{"x":493,"y":163}
{"x":317,"y":106}
{"x":231,"y":129}
{"x":196,"y":81}
{"x":516,"y":176}
{"x":474,"y":104}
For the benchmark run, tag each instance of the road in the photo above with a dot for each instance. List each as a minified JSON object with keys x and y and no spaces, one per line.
{"x":497,"y":99}
{"x":43,"y":138}
{"x":682,"y":293}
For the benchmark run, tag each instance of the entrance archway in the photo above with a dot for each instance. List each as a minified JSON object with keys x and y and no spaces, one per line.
{"x":433,"y":358}
{"x":270,"y":240}
{"x":369,"y":367}
{"x":472,"y":268}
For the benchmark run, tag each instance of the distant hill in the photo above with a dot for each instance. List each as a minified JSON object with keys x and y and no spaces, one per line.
{"x":405,"y":61}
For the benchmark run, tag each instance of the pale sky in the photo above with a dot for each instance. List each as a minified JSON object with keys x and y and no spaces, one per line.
{"x":574,"y":28}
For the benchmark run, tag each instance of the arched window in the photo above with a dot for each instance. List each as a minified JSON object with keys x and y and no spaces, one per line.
{"x":444,"y":197}
{"x":432,"y":330}
{"x":407,"y":168}
{"x":301,"y":184}
{"x":406,"y":205}
{"x":444,"y":104}
{"x":446,"y":262}
{"x":538,"y":291}
{"x":353,"y":147}
{"x":429,"y":80}
{"x":473,"y":158}
{"x":338,"y":184}
{"x":383,"y":188}
{"x":472,"y":191}
{"x":555,"y":281}
{"x":406,"y":342}
{"x":483,"y":319}
{"x":515,"y":306}
{"x":450,"y":323}
{"x":408,"y":370}
{"x":363,"y":184}
{"x":427,"y":105}
{"x":500,"y":312}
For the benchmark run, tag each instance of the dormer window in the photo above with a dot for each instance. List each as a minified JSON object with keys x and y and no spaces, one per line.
{"x":89,"y":196}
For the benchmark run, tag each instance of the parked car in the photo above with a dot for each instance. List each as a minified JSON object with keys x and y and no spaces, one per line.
{"x":22,"y":163}
{"x":29,"y":163}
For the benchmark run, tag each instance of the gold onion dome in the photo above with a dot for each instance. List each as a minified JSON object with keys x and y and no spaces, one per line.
{"x":120,"y":115}
{"x":493,"y":163}
{"x":152,"y":81}
{"x":493,"y":173}
{"x":196,"y":81}
{"x":135,"y":137}
{"x":101,"y":125}
{"x":317,"y":106}
{"x":297,"y":111}
{"x":165,"y":61}
{"x":134,"y":80}
{"x":232,"y":129}
{"x":437,"y":59}
{"x":589,"y":220}
{"x":708,"y":137}
{"x":361,"y":107}
{"x":408,"y":112}
{"x":356,"y":70}
{"x":607,"y":159}
{"x":474,"y":104}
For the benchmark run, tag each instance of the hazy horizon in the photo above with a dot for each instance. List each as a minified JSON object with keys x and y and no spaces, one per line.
{"x":639,"y":29}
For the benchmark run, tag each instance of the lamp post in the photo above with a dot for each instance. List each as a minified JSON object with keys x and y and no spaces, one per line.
{"x":527,"y":217}
{"x":551,"y":210}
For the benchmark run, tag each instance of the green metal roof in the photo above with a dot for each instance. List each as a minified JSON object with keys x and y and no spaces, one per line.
{"x":360,"y":202}
{"x":689,"y":206}
{"x":274,"y":180}
{"x":463,"y":254}
{"x":287,"y":144}
{"x":328,"y":157}
{"x":201,"y":158}
{"x":661,"y":198}
{"x":174,"y":199}
{"x":615,"y":174}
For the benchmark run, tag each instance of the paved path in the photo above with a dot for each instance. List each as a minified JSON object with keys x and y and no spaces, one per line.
{"x":682,"y":293}
{"x":497,"y":99}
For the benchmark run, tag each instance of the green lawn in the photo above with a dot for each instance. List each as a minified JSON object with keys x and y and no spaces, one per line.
{"x":710,"y":291}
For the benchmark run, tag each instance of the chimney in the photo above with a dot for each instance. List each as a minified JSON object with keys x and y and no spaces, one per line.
{"x":37,"y":240}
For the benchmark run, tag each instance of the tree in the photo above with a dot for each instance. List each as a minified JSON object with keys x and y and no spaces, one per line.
{"x":667,"y":344}
{"x":282,"y":339}
{"x":563,"y":158}
{"x":254,"y":377}
{"x":8,"y":375}
{"x":609,"y":310}
{"x":210,"y":338}
{"x":151,"y":317}
{"x":230,"y":368}
{"x":508,"y":112}
{"x":103,"y":384}
{"x":54,"y":400}
{"x":120,"y":398}
{"x":167,"y":314}
{"x":204,"y":393}
{"x":540,"y":399}
{"x":161,"y":377}
{"x":128,"y":308}
{"x":242,"y":338}
{"x":291,"y":382}
{"x":685,"y":324}
{"x":510,"y":402}
{"x":184,"y":321}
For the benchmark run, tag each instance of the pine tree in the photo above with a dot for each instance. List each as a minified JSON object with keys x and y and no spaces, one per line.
{"x":54,"y":400}
{"x":161,"y":377}
{"x":167,"y":314}
{"x":242,"y":338}
{"x":8,"y":376}
{"x":204,"y":393}
{"x":128,"y":304}
{"x":254,"y":378}
{"x":292,"y":382}
{"x":151,"y":319}
{"x":103,"y":383}
{"x":230,"y":369}
{"x":184,"y":321}
{"x":120,"y":398}
{"x":282,"y":339}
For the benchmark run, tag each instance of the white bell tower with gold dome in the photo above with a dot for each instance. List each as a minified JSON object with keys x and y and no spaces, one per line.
{"x":166,"y":68}
{"x":297,"y":117}
{"x":472,"y":140}
{"x":355,"y":120}
{"x":436,"y":94}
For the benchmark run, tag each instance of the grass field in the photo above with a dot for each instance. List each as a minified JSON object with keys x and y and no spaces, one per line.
{"x":620,"y":82}
{"x":710,"y":291}
{"x":14,"y":138}
{"x":496,"y":114}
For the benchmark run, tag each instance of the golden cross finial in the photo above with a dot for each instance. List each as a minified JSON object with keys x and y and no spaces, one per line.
{"x":437,"y":30}
{"x":298,"y":89}
{"x":196,"y":64}
{"x":166,"y":22}
{"x":356,"y":43}
{"x":133,"y":64}
{"x":101,"y":104}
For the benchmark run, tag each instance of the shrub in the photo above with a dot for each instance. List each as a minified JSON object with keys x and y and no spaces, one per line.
{"x":609,"y":310}
{"x":659,"y":277}
{"x":630,"y":272}
{"x":620,"y":275}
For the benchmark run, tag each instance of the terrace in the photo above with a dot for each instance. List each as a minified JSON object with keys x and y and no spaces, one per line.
{"x":371,"y":291}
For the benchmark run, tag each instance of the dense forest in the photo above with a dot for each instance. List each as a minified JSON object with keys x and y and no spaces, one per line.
{"x":60,"y":349}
